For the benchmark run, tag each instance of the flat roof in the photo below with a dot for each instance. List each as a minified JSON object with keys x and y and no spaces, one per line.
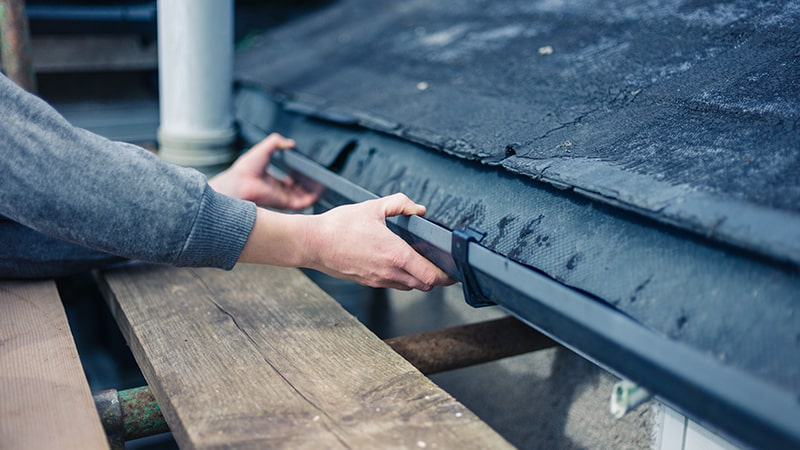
{"x":646,"y":154}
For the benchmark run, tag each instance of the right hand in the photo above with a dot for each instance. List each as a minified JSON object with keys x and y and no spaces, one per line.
{"x":352,"y":242}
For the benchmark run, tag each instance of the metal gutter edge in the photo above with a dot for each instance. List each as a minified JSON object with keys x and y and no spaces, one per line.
{"x":731,"y":401}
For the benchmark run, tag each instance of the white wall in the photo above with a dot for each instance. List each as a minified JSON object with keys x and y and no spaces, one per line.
{"x":676,"y":432}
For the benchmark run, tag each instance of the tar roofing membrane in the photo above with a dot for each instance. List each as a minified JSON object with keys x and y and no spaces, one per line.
{"x":645,"y":152}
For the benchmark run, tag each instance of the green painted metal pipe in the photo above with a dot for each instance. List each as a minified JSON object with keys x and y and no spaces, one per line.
{"x":129,"y":414}
{"x":141,"y":415}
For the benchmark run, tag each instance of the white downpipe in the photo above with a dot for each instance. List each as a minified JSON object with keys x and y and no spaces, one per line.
{"x":195,"y":59}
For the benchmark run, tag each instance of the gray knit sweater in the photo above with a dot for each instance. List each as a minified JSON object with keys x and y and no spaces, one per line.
{"x":71,"y":200}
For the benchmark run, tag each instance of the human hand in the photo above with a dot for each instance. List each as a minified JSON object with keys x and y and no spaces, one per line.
{"x":352,"y":242}
{"x":248,"y":179}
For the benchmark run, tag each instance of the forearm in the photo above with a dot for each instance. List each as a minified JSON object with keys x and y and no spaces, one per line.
{"x":278,"y":239}
{"x":75,"y":186}
{"x":350,"y":242}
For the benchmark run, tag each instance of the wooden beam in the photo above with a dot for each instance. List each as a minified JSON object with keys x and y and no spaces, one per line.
{"x":261,"y":357}
{"x":45,"y":400}
{"x":466,"y":345}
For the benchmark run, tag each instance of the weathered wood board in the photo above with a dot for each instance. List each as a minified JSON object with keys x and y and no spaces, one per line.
{"x":260,"y":357}
{"x":45,"y":400}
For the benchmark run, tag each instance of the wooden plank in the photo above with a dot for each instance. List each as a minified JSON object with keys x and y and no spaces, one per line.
{"x":45,"y":400}
{"x":260,"y":357}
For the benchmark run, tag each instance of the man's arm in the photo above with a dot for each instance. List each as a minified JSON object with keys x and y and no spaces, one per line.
{"x":71,"y":185}
{"x":74,"y":186}
{"x":350,"y":242}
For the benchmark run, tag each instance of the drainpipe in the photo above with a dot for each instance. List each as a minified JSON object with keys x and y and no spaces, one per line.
{"x":195,"y":59}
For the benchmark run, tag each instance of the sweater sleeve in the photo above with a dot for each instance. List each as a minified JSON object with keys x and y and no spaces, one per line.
{"x":72,"y":185}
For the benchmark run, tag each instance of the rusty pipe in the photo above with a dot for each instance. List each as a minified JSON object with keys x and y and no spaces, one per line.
{"x":15,"y":40}
{"x":466,"y":345}
{"x":129,"y":414}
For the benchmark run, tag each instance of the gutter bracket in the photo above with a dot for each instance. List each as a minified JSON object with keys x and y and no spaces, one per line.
{"x":459,"y":249}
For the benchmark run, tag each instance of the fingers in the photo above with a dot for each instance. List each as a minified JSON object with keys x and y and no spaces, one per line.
{"x":355,"y":244}
{"x":288,"y":195}
{"x":397,"y":204}
{"x":417,"y":271}
{"x":248,"y":178}
{"x":395,"y":277}
{"x":256,"y":159}
{"x":425,"y":274}
{"x":272,"y":143}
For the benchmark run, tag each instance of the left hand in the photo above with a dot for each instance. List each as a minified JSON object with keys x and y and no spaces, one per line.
{"x":248,"y":179}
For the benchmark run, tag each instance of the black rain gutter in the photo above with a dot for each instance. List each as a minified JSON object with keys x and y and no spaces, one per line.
{"x":734,"y":402}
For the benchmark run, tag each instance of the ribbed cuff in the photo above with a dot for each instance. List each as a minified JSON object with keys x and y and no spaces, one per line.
{"x":220,"y":231}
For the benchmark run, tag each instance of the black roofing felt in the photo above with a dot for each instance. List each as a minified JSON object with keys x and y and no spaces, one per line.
{"x":685,"y":112}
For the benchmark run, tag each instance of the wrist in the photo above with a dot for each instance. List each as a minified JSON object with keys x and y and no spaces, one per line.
{"x":278,"y":239}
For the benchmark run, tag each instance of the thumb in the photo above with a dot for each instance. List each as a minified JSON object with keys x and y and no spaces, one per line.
{"x":396,"y":204}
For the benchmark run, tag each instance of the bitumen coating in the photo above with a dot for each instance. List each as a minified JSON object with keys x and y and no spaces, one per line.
{"x":644,"y":153}
{"x":683,"y":111}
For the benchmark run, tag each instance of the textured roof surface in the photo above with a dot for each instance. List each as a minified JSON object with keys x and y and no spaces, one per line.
{"x":685,"y":111}
{"x":645,"y":152}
